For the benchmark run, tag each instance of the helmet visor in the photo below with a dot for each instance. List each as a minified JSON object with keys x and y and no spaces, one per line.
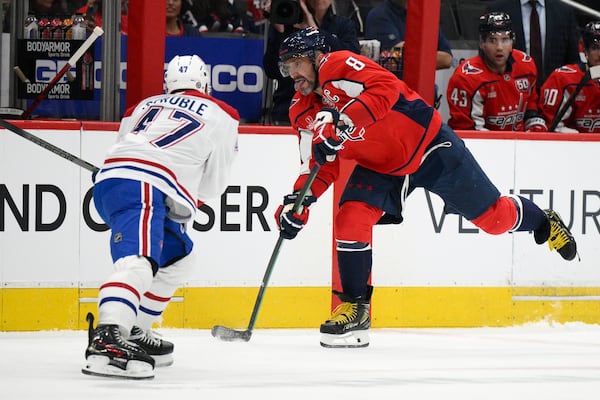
{"x":291,"y":65}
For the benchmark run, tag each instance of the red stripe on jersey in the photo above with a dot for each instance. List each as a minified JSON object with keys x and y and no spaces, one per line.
{"x":121,"y":285}
{"x":145,"y":219}
{"x":154,"y":297}
{"x":108,"y":161}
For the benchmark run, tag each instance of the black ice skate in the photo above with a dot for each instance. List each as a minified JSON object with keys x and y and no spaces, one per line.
{"x":349,"y":324}
{"x":109,"y":355}
{"x":558,"y":236}
{"x":160,"y":350}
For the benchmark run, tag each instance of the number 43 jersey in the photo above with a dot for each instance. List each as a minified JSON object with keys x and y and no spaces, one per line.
{"x":183,"y":144}
{"x":481,"y":99}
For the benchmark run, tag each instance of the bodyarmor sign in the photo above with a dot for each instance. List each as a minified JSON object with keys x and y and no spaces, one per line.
{"x":38,"y":61}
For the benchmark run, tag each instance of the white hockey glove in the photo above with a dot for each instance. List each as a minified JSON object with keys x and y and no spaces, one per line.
{"x":536,"y":124}
{"x":329,"y":129}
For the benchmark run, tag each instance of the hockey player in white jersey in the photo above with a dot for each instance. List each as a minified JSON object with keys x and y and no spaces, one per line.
{"x":173,"y":152}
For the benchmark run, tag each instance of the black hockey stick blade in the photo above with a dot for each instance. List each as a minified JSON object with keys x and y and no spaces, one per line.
{"x":230,"y":335}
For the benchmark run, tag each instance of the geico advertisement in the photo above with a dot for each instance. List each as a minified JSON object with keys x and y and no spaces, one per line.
{"x":50,"y":231}
{"x":235,"y":63}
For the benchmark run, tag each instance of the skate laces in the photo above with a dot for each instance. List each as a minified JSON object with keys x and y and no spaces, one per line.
{"x":109,"y":335}
{"x":558,"y":237}
{"x":559,"y":234}
{"x":148,"y":337}
{"x":344,"y":313}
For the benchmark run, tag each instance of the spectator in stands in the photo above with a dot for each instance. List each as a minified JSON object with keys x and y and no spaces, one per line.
{"x":175,"y":26}
{"x":255,"y":20}
{"x":212,"y":15}
{"x":387,"y":23}
{"x":495,"y":90}
{"x":93,"y":14}
{"x":364,"y":6}
{"x":558,"y":28}
{"x":584,"y":113}
{"x":350,"y":9}
{"x":338,"y":30}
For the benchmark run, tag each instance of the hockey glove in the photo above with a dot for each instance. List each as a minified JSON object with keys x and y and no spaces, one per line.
{"x":328,"y":126}
{"x":326,"y":151}
{"x":289,"y":222}
{"x":536,"y":124}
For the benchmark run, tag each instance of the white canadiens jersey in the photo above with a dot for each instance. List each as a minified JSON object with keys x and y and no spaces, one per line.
{"x":183,"y":144}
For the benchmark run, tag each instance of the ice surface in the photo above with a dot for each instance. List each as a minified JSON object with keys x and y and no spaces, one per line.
{"x":538,"y":361}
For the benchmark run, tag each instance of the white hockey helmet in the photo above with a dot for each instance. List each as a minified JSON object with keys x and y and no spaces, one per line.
{"x":187,"y":72}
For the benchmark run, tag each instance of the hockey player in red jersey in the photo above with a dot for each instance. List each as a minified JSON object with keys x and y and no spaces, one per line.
{"x":495,"y":90}
{"x":173,"y":152}
{"x":347,"y":106}
{"x":584,"y":113}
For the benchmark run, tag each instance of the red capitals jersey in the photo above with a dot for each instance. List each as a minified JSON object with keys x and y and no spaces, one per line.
{"x":392,"y":124}
{"x":484,"y":100}
{"x":584,"y":113}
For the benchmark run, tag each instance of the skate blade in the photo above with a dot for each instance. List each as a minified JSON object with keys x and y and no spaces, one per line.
{"x":100,"y":366}
{"x":163,"y":360}
{"x":353,"y":339}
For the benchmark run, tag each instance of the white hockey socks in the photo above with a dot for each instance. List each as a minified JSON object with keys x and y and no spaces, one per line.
{"x":156,"y":299}
{"x":119,"y":297}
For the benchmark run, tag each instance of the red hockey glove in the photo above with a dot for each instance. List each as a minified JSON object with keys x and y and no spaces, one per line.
{"x":327,"y":141}
{"x":536,"y":124}
{"x":291,"y":223}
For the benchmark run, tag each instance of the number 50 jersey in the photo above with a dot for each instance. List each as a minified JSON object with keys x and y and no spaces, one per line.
{"x":183,"y":144}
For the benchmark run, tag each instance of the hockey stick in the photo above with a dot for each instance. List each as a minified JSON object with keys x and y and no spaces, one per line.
{"x":233,"y":335}
{"x":583,"y":8}
{"x":591,"y":73}
{"x":96,"y":33}
{"x":48,"y":146}
{"x":21,"y":75}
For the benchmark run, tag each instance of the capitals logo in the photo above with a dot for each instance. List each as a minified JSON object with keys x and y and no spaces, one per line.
{"x":468,"y":69}
{"x":566,"y":69}
{"x":330,"y":99}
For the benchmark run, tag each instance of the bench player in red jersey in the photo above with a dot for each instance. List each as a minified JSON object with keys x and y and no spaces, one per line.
{"x":496,"y":89}
{"x":584,"y":113}
{"x":347,"y":106}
